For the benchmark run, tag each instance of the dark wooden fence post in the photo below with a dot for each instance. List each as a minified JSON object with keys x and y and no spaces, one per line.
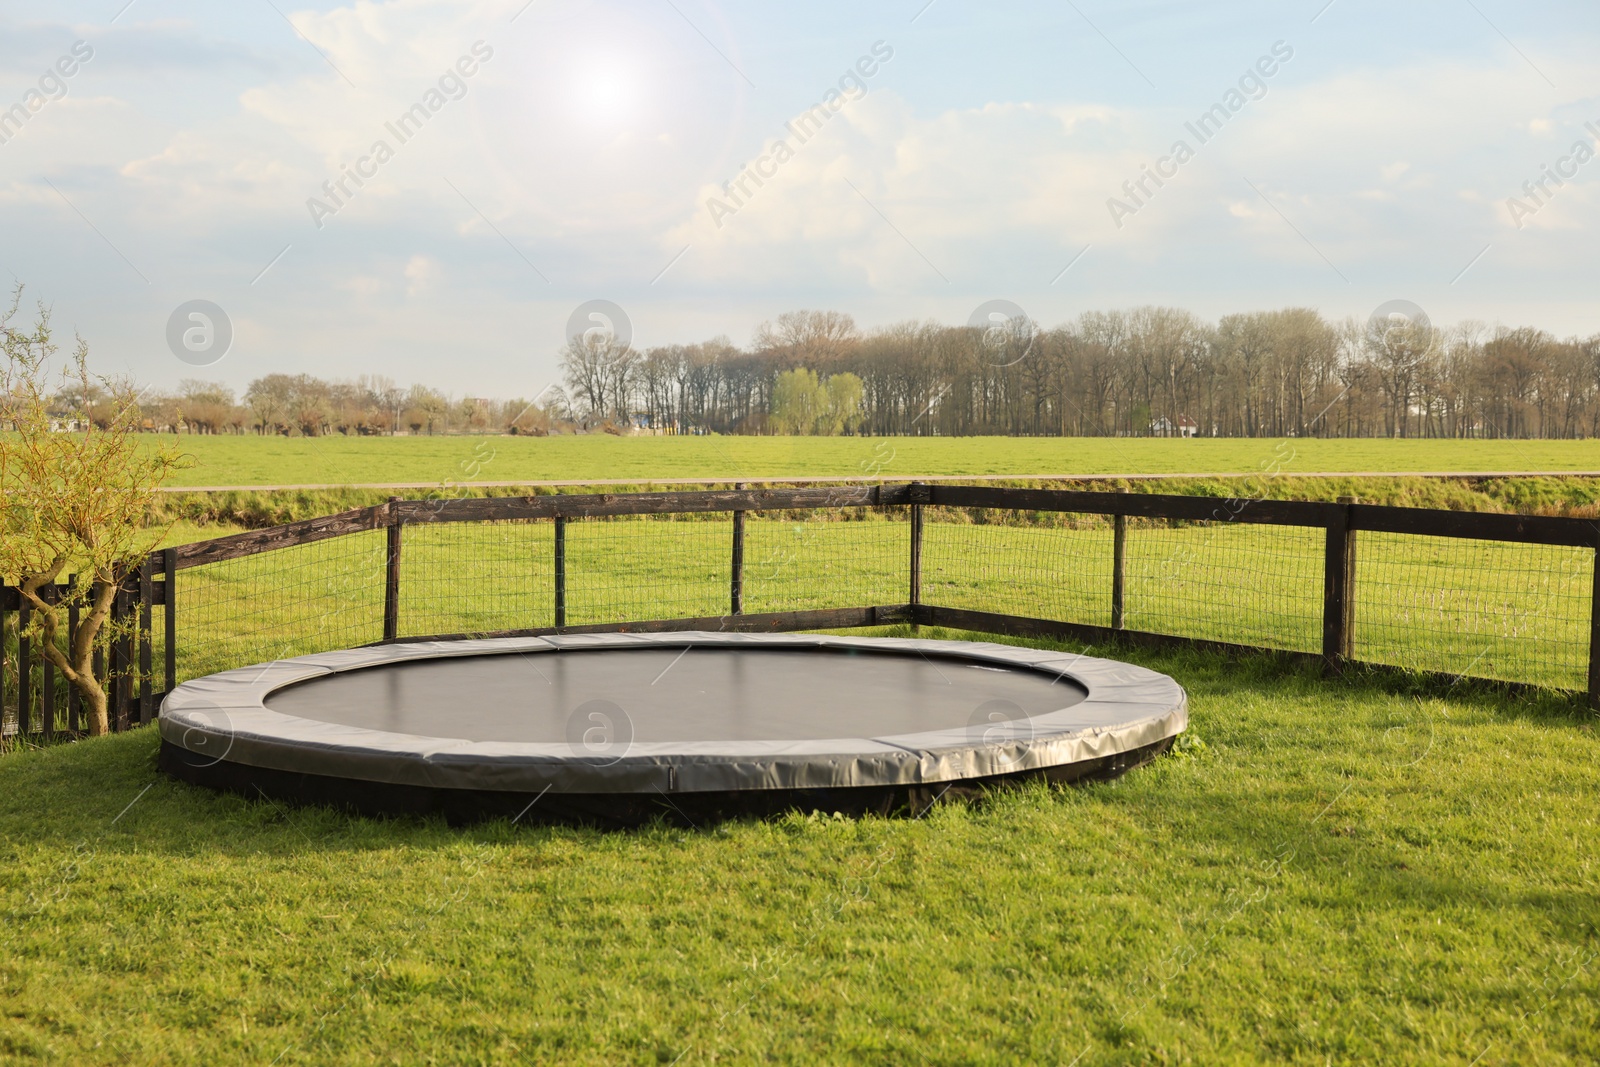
{"x":1119,"y":554}
{"x":737,"y":591}
{"x":561,"y":571}
{"x":391,"y":585}
{"x":74,"y":700}
{"x":1338,"y":588}
{"x":47,"y":678}
{"x":169,"y":595}
{"x":146,"y":668}
{"x":920,"y":496}
{"x":24,"y":666}
{"x":121,"y":653}
{"x":5,"y":661}
{"x":129,"y":714}
{"x":1594,"y":627}
{"x":102,"y":675}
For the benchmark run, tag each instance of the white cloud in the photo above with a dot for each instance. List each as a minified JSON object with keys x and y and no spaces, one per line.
{"x":1012,"y":171}
{"x":363,"y":285}
{"x":422,"y":273}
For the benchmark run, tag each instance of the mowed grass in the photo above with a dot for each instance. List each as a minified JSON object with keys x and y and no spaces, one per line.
{"x":1326,"y":872}
{"x":264,"y":461}
{"x":1512,"y":612}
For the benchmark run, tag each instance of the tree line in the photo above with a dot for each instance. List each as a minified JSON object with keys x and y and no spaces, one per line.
{"x":302,"y":405}
{"x":1150,"y":370}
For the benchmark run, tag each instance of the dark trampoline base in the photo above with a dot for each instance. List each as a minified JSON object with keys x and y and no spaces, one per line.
{"x":614,"y":810}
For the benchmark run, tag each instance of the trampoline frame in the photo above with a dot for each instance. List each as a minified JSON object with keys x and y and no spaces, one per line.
{"x":218,"y":731}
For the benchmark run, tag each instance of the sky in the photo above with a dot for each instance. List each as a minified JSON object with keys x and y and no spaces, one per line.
{"x":658,"y":155}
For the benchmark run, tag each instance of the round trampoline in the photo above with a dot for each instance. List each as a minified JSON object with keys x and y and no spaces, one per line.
{"x":617,"y":729}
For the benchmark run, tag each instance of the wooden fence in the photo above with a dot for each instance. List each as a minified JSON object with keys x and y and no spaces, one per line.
{"x":123,"y":663}
{"x":156,"y":584}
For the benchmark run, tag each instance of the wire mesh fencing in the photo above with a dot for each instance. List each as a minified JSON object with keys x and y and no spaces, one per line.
{"x":477,"y":577}
{"x":1500,"y":598}
{"x":1496,"y":609}
{"x":633,"y":568}
{"x":488,"y":577}
{"x":1055,"y":566}
{"x":1490,"y":609}
{"x":826,"y":558}
{"x":287,"y":602}
{"x":1242,"y":583}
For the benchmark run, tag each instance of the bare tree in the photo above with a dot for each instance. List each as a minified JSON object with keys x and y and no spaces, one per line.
{"x":426,"y":408}
{"x":1398,"y":348}
{"x":601,"y":372}
{"x":815,"y":339}
{"x":205,"y":406}
{"x":269,"y":399}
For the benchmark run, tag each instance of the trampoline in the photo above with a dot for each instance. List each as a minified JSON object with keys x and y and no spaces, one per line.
{"x":617,"y":729}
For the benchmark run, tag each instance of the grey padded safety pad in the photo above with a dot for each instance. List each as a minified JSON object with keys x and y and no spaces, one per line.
{"x":1113,"y":708}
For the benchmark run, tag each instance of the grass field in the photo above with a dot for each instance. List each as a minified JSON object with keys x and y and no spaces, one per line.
{"x":1366,"y":870}
{"x":248,"y":461}
{"x":1324,"y":874}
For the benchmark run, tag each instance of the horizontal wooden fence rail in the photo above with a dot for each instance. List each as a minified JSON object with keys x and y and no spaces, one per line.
{"x":1135,"y":505}
{"x":1522,"y":529}
{"x":129,"y":663}
{"x":289,"y":535}
{"x":603,"y":505}
{"x":1525,"y":529}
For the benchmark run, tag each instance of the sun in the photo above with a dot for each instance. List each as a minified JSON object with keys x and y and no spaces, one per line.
{"x":604,"y":91}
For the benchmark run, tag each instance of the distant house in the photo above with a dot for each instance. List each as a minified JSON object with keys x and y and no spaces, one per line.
{"x":1183,"y":427}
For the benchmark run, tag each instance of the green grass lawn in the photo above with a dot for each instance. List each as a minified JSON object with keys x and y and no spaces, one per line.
{"x":244,"y":461}
{"x":1326,"y":873}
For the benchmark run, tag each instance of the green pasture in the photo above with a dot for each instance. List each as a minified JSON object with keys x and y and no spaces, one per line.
{"x":1325,"y":872}
{"x":462,"y":461}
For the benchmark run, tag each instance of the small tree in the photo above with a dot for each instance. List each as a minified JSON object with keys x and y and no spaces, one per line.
{"x":844,"y":404}
{"x":76,"y":492}
{"x":798,"y":402}
{"x":803,"y":404}
{"x":430,"y":405}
